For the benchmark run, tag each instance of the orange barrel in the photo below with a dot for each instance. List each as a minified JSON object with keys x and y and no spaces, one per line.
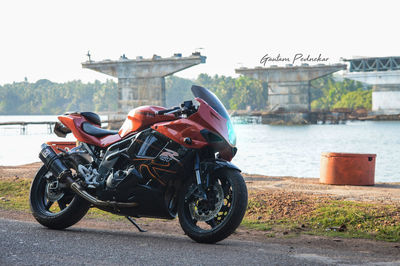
{"x":347,"y":169}
{"x":65,"y":145}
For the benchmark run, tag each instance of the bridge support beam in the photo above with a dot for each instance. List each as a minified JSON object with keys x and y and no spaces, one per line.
{"x":142,"y":81}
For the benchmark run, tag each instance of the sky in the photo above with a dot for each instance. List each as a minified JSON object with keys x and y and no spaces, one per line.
{"x":50,"y":39}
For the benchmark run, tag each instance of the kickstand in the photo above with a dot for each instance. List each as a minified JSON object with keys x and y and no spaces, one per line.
{"x":135,"y":224}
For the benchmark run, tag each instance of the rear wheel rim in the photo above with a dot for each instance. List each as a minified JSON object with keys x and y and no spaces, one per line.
{"x":50,"y":199}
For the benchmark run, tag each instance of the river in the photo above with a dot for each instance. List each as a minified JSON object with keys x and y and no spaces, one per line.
{"x":262,"y":149}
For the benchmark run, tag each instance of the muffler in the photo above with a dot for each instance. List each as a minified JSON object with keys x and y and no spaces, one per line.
{"x":53,"y":162}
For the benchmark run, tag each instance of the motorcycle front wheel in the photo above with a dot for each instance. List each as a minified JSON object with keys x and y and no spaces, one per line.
{"x":52,"y":206}
{"x":215,"y":218}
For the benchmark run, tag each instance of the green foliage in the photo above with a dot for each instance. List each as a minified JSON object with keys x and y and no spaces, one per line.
{"x":329,"y":94}
{"x":177,"y":90}
{"x":224,"y":87}
{"x":355,"y":100}
{"x":238,"y":93}
{"x":234,"y":93}
{"x":249,"y":92}
{"x":46,"y":97}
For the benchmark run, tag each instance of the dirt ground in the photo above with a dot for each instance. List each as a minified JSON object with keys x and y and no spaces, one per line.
{"x":277,"y":189}
{"x":19,"y":171}
{"x":387,"y":193}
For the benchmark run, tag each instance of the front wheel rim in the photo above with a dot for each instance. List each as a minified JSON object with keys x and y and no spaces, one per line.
{"x":221,"y":215}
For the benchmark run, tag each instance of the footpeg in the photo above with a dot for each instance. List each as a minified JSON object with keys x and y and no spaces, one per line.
{"x":135,"y":224}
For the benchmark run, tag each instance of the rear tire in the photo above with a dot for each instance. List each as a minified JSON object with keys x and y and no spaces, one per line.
{"x":70,"y":210}
{"x":218,"y":222}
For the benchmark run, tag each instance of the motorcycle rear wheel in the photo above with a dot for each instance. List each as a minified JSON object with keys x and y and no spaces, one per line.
{"x":55,"y":208}
{"x":214,"y":219}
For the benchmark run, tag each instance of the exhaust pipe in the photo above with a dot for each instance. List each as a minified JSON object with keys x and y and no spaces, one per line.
{"x":84,"y":194}
{"x":64,"y":175}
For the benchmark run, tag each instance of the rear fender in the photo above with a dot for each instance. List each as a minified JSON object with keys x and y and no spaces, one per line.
{"x":58,"y":146}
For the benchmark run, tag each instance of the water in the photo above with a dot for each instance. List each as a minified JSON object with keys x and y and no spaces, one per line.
{"x":262,"y":149}
{"x":17,"y":149}
{"x":296,"y":150}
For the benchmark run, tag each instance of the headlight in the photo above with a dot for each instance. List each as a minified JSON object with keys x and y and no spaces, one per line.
{"x":231,"y":133}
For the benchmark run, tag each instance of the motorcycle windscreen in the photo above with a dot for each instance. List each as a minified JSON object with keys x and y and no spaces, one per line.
{"x":212,"y":100}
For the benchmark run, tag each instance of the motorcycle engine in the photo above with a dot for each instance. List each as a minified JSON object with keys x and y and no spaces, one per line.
{"x":119,"y":184}
{"x":115,"y":179}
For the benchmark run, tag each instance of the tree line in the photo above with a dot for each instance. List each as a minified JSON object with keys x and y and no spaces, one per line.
{"x":234,"y":93}
{"x":46,"y":97}
{"x":326,"y":93}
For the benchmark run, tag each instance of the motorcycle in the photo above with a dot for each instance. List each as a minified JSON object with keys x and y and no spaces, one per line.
{"x":161,"y":163}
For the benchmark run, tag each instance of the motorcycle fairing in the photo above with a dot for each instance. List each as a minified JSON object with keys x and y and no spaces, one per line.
{"x":205,"y":118}
{"x":157,"y":157}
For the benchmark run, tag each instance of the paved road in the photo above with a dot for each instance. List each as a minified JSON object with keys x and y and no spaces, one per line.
{"x":26,"y":243}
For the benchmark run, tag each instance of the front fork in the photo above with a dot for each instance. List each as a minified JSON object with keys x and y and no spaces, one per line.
{"x":200,"y":190}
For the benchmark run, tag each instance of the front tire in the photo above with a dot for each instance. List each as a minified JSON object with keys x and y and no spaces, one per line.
{"x":214,"y":219}
{"x":52,"y":207}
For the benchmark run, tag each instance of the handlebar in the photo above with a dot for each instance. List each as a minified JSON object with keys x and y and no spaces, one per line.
{"x":186,"y":108}
{"x":167,"y":110}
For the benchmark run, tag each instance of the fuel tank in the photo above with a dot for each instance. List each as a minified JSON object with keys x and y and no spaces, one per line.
{"x":141,"y":118}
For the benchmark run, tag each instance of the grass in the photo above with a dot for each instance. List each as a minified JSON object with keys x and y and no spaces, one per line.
{"x":364,"y":220}
{"x":334,"y":218}
{"x":14,"y":195}
{"x":286,"y":218}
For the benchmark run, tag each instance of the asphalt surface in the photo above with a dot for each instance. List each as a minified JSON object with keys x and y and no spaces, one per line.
{"x":26,"y":243}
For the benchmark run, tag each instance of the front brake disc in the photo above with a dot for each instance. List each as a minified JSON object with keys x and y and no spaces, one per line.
{"x":205,"y":214}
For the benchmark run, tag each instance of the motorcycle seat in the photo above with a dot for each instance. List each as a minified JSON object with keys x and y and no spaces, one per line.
{"x":97,"y":131}
{"x":92,"y":117}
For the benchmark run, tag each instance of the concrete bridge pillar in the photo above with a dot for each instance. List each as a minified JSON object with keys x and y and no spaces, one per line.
{"x":142,"y":81}
{"x":140,"y":91}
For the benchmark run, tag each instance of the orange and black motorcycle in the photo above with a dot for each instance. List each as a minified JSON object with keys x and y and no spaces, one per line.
{"x":162,"y":162}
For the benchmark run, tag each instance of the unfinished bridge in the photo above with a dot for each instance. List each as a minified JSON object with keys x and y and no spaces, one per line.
{"x":289,"y":89}
{"x":141,"y":81}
